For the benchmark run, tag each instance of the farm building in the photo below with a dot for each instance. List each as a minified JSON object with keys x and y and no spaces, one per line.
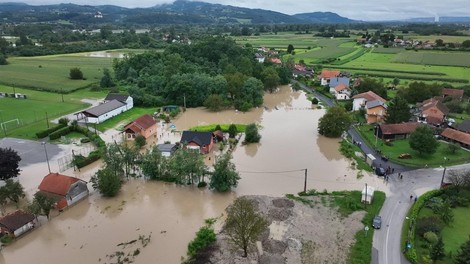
{"x":454,"y":93}
{"x":464,"y":126}
{"x":375,"y":111}
{"x":17,"y":223}
{"x":396,"y":131}
{"x":456,"y":136}
{"x":145,"y":125}
{"x":123,"y":98}
{"x":167,"y":149}
{"x":361,"y":99}
{"x":65,"y":189}
{"x":200,"y":141}
{"x":102,"y":112}
{"x":432,"y":111}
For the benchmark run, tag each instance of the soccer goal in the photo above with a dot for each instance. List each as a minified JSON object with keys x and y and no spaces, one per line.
{"x":10,"y":124}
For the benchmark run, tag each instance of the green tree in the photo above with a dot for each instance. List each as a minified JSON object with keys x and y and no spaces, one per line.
{"x":446,"y":213}
{"x":423,"y":140}
{"x":154,"y":165}
{"x":76,"y":74}
{"x":290,"y":48}
{"x":9,"y":163}
{"x":376,"y":86}
{"x":106,"y":182}
{"x":214,"y":102}
{"x":225,"y":175}
{"x":270,"y":79}
{"x":334,"y":122}
{"x":453,"y":147}
{"x":396,"y":81}
{"x":398,"y":111}
{"x":204,"y":238}
{"x":42,"y":204}
{"x":439,"y":43}
{"x":186,"y":167}
{"x":251,"y":134}
{"x":12,"y":190}
{"x":232,"y":131}
{"x":463,"y":254}
{"x":466,"y":43}
{"x":106,"y":80}
{"x":3,"y":60}
{"x":437,"y":251}
{"x":244,"y":225}
{"x":139,"y":141}
{"x":314,"y":100}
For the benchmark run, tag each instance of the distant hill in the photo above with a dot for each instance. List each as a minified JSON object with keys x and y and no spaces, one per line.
{"x":227,"y":13}
{"x":324,"y":17}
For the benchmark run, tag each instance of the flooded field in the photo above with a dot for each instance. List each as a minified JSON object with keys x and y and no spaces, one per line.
{"x":91,"y":230}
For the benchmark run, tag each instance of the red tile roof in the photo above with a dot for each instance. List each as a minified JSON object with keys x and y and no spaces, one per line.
{"x":456,"y":135}
{"x":328,"y":74}
{"x":16,"y":220}
{"x":141,"y":123}
{"x":340,"y":87}
{"x":57,"y":183}
{"x":276,"y":60}
{"x":369,"y":96}
{"x":452,"y":92}
{"x":403,"y":128}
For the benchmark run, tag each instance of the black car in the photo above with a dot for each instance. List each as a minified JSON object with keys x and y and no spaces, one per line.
{"x":380,"y":171}
{"x":377,"y":222}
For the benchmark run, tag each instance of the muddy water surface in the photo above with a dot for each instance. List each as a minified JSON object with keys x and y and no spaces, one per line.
{"x":91,"y":230}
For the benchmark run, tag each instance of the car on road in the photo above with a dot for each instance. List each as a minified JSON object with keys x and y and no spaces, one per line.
{"x":380,"y":171}
{"x":377,"y":222}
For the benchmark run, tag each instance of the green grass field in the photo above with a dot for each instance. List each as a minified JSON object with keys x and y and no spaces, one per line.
{"x":281,"y":40}
{"x":388,"y":50}
{"x":402,"y":146}
{"x":461,"y":59}
{"x":125,"y":118}
{"x":31,"y":112}
{"x":51,"y":73}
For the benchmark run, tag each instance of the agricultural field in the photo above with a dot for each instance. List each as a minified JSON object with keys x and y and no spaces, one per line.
{"x":461,"y":59}
{"x":51,"y":73}
{"x":326,"y":49}
{"x":388,"y":50}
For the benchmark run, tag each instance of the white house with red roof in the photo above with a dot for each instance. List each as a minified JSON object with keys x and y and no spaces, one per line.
{"x":145,"y":126}
{"x":64,"y":189}
{"x":360,"y":100}
{"x":326,"y":75}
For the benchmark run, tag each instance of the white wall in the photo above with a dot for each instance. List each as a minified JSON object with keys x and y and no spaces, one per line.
{"x":102,"y":118}
{"x":358,"y":103}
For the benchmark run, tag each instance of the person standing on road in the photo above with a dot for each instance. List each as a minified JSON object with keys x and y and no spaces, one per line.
{"x":411,"y":197}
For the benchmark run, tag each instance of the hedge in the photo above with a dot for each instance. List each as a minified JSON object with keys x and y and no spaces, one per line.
{"x":61,"y":132}
{"x":386,"y":70}
{"x":47,"y":132}
{"x":420,"y":78}
{"x":410,"y":254}
{"x":80,"y":161}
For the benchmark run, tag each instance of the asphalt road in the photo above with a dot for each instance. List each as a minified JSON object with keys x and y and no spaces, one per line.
{"x":30,"y":151}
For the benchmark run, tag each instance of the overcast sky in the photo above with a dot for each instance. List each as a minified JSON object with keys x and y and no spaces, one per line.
{"x":354,"y":9}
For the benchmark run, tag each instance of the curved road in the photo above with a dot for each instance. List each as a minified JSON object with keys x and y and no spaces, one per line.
{"x":386,"y":242}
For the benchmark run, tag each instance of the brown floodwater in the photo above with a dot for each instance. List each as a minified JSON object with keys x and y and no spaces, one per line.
{"x":91,"y":230}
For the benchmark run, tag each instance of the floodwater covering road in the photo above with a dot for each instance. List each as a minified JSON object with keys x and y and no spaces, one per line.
{"x":92,"y":230}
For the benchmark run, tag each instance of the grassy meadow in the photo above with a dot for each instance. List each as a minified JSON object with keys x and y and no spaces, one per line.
{"x":461,"y":59}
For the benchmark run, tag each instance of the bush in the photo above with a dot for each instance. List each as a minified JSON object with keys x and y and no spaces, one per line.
{"x":431,"y":237}
{"x":251,"y":134}
{"x":80,"y":161}
{"x":428,"y":224}
{"x":314,"y":100}
{"x":64,"y":121}
{"x":61,"y":132}
{"x":6,"y":239}
{"x":202,"y":184}
{"x":76,"y":74}
{"x":204,"y":238}
{"x":47,"y":132}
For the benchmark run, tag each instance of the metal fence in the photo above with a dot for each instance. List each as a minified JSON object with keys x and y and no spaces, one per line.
{"x":66,"y":162}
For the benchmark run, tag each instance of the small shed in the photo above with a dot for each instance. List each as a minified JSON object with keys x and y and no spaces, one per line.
{"x":167,"y":149}
{"x":367,"y":194}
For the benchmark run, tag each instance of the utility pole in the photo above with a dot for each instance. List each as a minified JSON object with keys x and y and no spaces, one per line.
{"x":365,"y":200}
{"x":62,"y":93}
{"x":444,"y":172}
{"x":184,"y":101}
{"x":47,"y":121}
{"x":47,"y":158}
{"x":3,"y":125}
{"x":305,"y":182}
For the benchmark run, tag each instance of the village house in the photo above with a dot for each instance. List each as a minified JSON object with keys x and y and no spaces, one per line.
{"x":260,"y":58}
{"x":145,"y":126}
{"x":454,"y":93}
{"x":456,"y":136}
{"x":113,"y":105}
{"x":395,"y":131}
{"x":375,"y":111}
{"x":276,"y":61}
{"x":342,"y":92}
{"x":17,"y":223}
{"x":464,"y":126}
{"x":326,"y":75}
{"x":64,"y":189}
{"x":432,"y":111}
{"x":301,"y":70}
{"x":361,"y":99}
{"x":200,"y":141}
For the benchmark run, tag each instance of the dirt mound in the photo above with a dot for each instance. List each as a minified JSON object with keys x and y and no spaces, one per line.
{"x":297,"y":233}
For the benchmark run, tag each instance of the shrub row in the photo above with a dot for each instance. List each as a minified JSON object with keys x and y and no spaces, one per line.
{"x":413,"y":214}
{"x":387,"y":70}
{"x":80,"y":161}
{"x":353,"y":57}
{"x":61,"y":132}
{"x":47,"y":132}
{"x":420,"y":78}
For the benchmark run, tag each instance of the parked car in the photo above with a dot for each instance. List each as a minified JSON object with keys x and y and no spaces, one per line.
{"x":379,"y":171}
{"x":377,"y":222}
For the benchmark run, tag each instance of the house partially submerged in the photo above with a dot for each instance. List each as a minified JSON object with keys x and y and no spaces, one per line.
{"x":167,"y":149}
{"x":432,"y":111}
{"x":145,"y":126}
{"x":64,"y":189}
{"x":396,"y":131}
{"x":200,"y":141}
{"x":17,"y":223}
{"x":113,"y":105}
{"x":456,"y":136}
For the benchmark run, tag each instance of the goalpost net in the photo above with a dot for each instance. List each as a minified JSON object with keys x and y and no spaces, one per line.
{"x":10,"y":124}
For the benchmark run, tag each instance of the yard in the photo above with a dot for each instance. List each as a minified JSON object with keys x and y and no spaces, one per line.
{"x":398,"y":147}
{"x":118,"y":122}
